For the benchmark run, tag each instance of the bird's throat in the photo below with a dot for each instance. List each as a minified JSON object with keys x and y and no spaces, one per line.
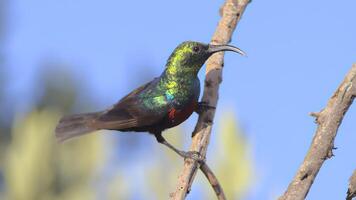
{"x":177,"y":82}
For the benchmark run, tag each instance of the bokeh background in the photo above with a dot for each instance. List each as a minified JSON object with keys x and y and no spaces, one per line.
{"x":61,"y":57}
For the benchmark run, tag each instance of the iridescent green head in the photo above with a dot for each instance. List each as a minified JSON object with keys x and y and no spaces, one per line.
{"x":190,"y":56}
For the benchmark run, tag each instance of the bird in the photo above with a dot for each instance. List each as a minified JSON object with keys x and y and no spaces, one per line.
{"x":160,"y":104}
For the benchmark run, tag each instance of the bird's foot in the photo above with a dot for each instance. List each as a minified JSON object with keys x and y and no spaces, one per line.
{"x":203,"y":106}
{"x":194,"y":155}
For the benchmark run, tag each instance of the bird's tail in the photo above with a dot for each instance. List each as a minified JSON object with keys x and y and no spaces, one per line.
{"x":75,"y":125}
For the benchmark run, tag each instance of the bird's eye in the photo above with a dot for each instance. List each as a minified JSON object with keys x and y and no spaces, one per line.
{"x":196,"y":49}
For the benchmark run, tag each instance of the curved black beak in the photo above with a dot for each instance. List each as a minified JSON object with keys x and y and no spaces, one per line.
{"x":224,"y":47}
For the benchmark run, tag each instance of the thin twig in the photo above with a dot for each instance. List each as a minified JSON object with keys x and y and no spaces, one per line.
{"x":328,"y":120}
{"x":213,"y":181}
{"x":351,"y":191}
{"x":231,"y":12}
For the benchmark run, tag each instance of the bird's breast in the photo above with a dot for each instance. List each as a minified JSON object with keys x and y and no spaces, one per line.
{"x":175,"y":116}
{"x":179,"y":99}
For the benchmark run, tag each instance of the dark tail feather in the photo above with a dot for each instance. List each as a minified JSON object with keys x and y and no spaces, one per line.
{"x":75,"y":125}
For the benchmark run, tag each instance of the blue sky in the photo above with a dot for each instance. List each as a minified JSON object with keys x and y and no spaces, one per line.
{"x":298,"y":53}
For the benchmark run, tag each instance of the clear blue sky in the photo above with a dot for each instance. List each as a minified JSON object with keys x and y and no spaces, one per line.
{"x":298,"y":53}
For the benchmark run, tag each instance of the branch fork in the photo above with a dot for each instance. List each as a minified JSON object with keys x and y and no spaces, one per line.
{"x":231,"y":13}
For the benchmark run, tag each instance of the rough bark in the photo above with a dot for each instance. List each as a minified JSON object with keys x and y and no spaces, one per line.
{"x":351,"y":191}
{"x":328,"y":120}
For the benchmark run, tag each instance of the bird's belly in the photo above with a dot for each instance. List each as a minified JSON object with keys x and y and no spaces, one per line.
{"x":177,"y":116}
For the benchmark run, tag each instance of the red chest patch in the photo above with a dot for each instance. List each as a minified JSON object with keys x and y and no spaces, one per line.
{"x":178,"y":116}
{"x":172,"y":114}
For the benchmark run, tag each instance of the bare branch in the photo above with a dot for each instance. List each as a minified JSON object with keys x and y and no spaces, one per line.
{"x":351,"y":192}
{"x":231,"y":12}
{"x":213,"y":181}
{"x":328,"y":120}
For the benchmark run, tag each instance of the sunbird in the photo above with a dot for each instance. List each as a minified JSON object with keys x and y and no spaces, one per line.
{"x":162,"y":103}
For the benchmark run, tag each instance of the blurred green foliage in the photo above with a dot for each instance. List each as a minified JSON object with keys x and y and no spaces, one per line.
{"x":37,"y":168}
{"x":234,"y":160}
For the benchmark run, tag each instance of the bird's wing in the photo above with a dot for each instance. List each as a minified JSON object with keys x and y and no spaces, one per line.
{"x":128,"y":112}
{"x":137,"y":91}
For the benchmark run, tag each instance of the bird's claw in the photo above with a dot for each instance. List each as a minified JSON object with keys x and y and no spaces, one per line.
{"x":203,"y":106}
{"x":194,"y":155}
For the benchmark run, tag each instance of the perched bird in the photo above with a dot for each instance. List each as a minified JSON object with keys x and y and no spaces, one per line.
{"x":165,"y":102}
